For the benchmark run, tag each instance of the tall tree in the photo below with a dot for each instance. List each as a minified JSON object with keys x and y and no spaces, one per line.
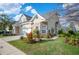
{"x":5,"y":22}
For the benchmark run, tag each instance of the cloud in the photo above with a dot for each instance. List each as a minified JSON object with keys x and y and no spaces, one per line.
{"x":10,"y":8}
{"x":15,"y":9}
{"x":67,"y":5}
{"x":63,"y":22}
{"x":28,"y":8}
{"x":1,"y":12}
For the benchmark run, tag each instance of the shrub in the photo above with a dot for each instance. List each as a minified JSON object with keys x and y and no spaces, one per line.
{"x":77,"y":33}
{"x":21,"y":37}
{"x":77,"y":39}
{"x":36,"y":33}
{"x":49,"y":35}
{"x":29,"y":38}
{"x":71,"y":37}
{"x":60,"y":31}
{"x":71,"y":32}
{"x":44,"y":36}
{"x":66,"y":39}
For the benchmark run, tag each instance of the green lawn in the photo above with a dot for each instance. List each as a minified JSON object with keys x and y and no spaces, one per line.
{"x":1,"y":36}
{"x":56,"y":47}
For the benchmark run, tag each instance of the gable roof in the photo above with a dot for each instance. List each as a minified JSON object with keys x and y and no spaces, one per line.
{"x":39,"y":16}
{"x":28,"y":18}
{"x":49,"y":14}
{"x":45,"y":17}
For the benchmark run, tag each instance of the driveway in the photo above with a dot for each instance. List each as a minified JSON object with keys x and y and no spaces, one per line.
{"x":7,"y":49}
{"x":11,"y":38}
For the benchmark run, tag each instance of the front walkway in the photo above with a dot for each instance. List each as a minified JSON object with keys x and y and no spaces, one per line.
{"x":7,"y":49}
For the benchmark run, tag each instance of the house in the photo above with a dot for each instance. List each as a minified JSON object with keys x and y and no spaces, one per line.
{"x":53,"y":22}
{"x":26,"y":24}
{"x":22,"y":25}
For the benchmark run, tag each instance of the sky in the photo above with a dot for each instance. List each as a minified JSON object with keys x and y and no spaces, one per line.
{"x":43,"y":8}
{"x":14,"y":10}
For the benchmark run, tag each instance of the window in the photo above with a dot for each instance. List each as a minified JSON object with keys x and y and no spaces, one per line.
{"x":43,"y":31}
{"x":43,"y":27}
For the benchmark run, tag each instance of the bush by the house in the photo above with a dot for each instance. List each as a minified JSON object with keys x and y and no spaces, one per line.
{"x":49,"y":34}
{"x":72,"y":38}
{"x":21,"y":37}
{"x":36,"y":35}
{"x":29,"y":38}
{"x":61,"y":33}
{"x":43,"y":36}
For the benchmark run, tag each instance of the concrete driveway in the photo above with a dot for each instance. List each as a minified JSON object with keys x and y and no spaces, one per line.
{"x":11,"y":38}
{"x":7,"y":49}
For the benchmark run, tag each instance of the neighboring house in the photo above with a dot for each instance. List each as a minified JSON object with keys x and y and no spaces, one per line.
{"x":26,"y":24}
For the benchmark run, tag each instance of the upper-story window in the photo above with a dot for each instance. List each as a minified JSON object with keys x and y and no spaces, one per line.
{"x":43,"y":31}
{"x":44,"y":27}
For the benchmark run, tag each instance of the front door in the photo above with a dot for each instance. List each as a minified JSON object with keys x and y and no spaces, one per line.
{"x":17,"y":30}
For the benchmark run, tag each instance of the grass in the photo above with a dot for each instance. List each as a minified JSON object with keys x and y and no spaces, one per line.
{"x":56,"y":47}
{"x":1,"y":36}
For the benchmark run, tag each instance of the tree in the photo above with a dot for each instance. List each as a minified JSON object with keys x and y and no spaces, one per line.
{"x":5,"y":22}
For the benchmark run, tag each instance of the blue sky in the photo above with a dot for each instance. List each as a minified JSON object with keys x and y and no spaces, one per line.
{"x":15,"y":9}
{"x":43,"y":8}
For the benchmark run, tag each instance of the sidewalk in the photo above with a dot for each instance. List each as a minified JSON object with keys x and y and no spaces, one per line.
{"x":53,"y":38}
{"x":7,"y":49}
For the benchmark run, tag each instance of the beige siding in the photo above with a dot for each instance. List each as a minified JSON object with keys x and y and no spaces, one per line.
{"x":51,"y":22}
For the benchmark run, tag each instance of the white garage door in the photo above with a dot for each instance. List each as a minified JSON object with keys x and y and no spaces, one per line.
{"x":25,"y":30}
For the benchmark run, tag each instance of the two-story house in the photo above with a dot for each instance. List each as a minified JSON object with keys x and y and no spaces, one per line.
{"x":26,"y":24}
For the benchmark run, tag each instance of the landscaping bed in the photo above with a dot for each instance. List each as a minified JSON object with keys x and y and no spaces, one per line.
{"x":47,"y":47}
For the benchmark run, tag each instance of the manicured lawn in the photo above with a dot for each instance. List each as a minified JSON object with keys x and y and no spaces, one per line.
{"x":1,"y":36}
{"x":56,"y":47}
